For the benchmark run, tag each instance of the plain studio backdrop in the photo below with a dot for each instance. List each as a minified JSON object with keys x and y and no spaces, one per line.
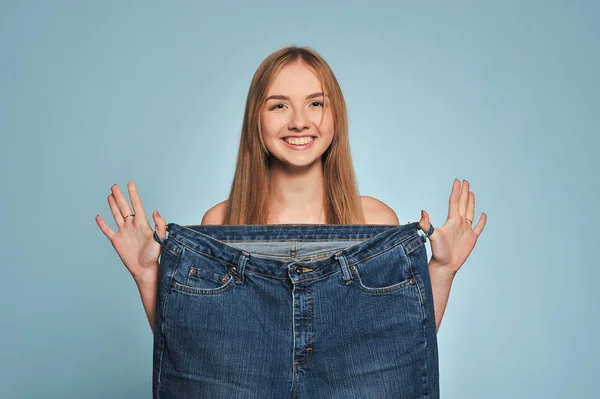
{"x":504,"y":94}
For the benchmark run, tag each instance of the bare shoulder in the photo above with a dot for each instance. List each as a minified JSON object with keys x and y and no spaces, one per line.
{"x":377,"y":212}
{"x":216,"y":214}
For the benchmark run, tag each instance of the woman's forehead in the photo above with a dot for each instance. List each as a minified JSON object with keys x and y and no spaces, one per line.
{"x":295,"y":79}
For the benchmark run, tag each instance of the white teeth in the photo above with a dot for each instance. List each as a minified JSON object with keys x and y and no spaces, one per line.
{"x":298,"y":141}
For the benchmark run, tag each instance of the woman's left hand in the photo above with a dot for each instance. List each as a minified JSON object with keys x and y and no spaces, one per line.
{"x":452,"y":243}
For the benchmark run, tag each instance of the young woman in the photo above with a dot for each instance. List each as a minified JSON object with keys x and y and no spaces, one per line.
{"x":294,"y":167}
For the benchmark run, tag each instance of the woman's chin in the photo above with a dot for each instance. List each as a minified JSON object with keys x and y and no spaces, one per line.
{"x":298,"y":162}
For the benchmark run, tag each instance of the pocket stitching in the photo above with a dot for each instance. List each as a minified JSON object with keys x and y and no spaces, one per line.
{"x":202,"y":291}
{"x":383,"y":290}
{"x":202,"y":275}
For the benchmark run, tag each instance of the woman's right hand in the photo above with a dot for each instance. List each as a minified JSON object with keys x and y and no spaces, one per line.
{"x":134,"y":240}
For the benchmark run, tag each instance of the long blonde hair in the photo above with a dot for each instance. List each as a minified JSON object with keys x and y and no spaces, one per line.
{"x":250,"y":190}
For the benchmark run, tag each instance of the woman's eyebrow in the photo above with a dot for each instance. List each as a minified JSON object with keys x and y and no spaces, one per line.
{"x":280,"y":97}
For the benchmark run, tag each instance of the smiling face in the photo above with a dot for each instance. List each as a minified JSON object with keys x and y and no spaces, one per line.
{"x":296,"y":119}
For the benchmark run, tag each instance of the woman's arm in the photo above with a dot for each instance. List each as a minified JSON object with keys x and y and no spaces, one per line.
{"x":441,"y":282}
{"x":148,"y":294}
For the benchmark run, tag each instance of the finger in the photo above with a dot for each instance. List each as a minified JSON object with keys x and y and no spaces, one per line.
{"x":424,"y":222}
{"x":427,"y":223}
{"x":480,"y":225}
{"x":105,"y":228}
{"x":136,"y":201}
{"x":160,"y":223}
{"x":464,"y":196}
{"x":121,"y":201}
{"x":471,"y":206}
{"x":115,"y":210}
{"x":454,"y":195}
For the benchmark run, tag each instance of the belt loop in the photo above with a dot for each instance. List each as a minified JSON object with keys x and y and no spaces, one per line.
{"x":239,"y":274}
{"x":345,"y":271}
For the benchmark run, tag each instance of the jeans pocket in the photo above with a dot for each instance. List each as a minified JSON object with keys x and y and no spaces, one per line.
{"x":201,"y":274}
{"x":388,"y":271}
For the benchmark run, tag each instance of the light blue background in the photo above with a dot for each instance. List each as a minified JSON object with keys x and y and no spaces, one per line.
{"x":502,"y":93}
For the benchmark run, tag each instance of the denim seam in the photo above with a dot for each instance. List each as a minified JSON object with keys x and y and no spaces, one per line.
{"x":162,"y":350}
{"x":162,"y":332}
{"x":164,"y":306}
{"x":176,"y":266}
{"x":423,"y":325}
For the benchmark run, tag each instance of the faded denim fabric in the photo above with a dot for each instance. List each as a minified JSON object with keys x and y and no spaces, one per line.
{"x":294,"y":311}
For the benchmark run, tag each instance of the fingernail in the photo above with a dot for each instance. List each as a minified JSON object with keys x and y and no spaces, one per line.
{"x":422,"y":213}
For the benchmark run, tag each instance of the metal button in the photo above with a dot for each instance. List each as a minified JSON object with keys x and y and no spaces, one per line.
{"x":233,"y":269}
{"x":353,"y":267}
{"x":412,"y":280}
{"x":298,"y":269}
{"x":224,"y":278}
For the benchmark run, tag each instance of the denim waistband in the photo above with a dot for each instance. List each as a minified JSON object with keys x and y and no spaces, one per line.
{"x":371,"y":240}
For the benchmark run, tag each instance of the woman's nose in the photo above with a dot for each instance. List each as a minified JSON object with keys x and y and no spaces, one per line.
{"x":298,"y":121}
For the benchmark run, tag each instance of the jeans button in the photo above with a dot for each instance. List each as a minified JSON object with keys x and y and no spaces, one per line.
{"x":298,"y":269}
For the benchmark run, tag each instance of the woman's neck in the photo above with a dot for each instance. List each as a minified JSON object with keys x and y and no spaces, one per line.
{"x":296,"y":195}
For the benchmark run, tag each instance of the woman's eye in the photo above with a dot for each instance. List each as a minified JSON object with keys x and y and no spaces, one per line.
{"x":317,"y":103}
{"x":278,"y":106}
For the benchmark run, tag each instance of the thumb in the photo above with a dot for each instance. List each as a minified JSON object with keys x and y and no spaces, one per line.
{"x":160,"y":223}
{"x":424,"y":222}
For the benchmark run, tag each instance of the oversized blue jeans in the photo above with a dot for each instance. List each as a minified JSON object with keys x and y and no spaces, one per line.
{"x":294,"y":311}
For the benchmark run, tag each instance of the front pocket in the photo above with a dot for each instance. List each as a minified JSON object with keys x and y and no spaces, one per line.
{"x":202,"y":274}
{"x":386,"y":272}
